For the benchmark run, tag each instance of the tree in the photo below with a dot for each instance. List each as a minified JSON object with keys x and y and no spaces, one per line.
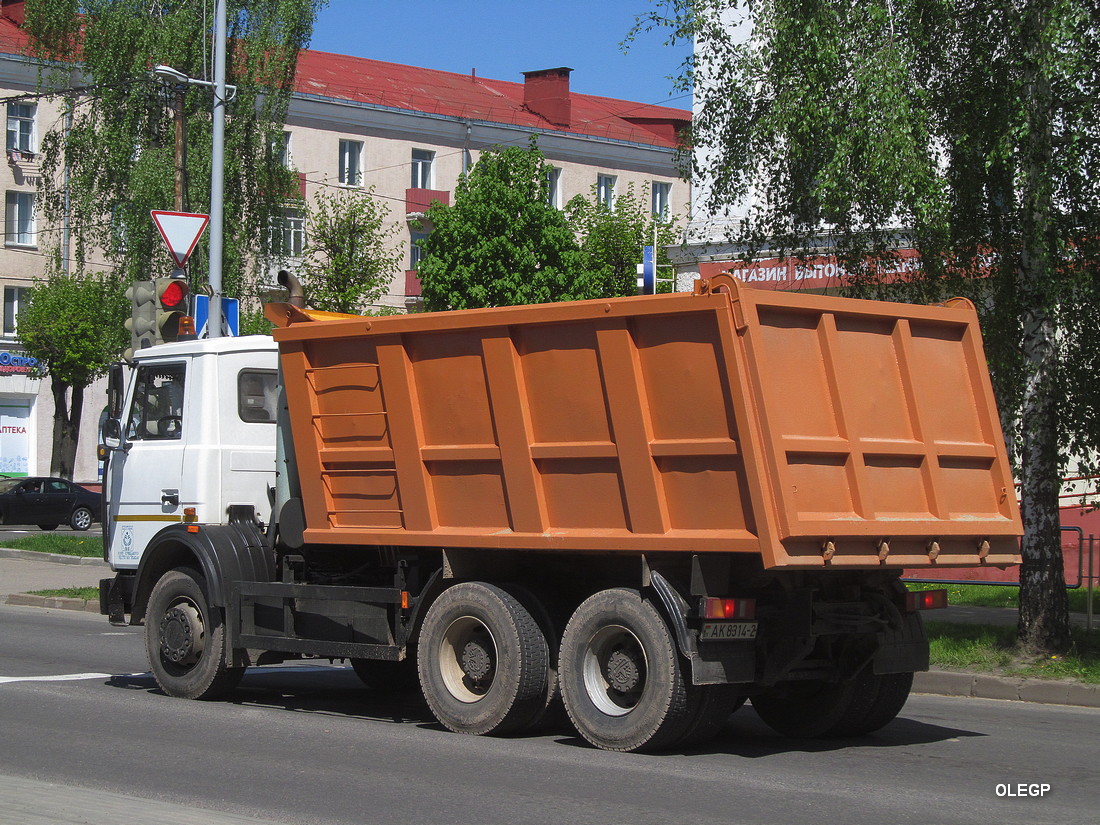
{"x":612,"y":238}
{"x":115,"y":158}
{"x":349,"y":258}
{"x":963,"y":128}
{"x":502,"y":243}
{"x":116,"y":161}
{"x":74,"y":327}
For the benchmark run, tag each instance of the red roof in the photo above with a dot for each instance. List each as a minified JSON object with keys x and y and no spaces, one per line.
{"x":397,"y":86}
{"x":466,"y":96}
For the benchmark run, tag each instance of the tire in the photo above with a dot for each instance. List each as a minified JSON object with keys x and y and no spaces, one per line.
{"x":81,"y":519}
{"x":621,"y":676}
{"x":185,"y":639}
{"x":815,"y":709}
{"x":549,"y":622}
{"x":47,"y":527}
{"x":383,"y":676}
{"x":893,"y":693}
{"x":484,"y":662}
{"x":711,"y":708}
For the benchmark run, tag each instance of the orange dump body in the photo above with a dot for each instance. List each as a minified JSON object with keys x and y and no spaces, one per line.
{"x":815,"y":431}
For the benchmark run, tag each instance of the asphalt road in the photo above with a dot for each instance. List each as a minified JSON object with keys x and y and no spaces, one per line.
{"x":311,"y":745}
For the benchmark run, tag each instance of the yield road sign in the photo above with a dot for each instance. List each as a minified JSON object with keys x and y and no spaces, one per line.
{"x":181,"y":232}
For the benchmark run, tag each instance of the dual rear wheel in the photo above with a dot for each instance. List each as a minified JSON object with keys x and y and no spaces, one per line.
{"x":487,"y":665}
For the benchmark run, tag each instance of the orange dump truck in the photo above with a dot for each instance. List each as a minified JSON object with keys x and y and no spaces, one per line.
{"x":650,"y":509}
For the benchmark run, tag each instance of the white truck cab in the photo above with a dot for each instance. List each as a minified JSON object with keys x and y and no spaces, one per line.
{"x":197,"y":421}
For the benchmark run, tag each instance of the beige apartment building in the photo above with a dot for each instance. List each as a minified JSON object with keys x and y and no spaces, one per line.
{"x":353,"y":123}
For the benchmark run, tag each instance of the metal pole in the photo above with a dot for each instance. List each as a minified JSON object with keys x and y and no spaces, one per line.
{"x":66,"y":228}
{"x":217,"y":175}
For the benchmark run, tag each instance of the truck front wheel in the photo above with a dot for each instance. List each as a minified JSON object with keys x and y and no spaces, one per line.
{"x":185,"y":639}
{"x":621,"y":676}
{"x":484,"y":661}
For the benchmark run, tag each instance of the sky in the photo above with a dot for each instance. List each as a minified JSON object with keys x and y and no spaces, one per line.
{"x":501,"y":40}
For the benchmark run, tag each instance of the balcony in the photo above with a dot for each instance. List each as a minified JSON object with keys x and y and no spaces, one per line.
{"x":412,"y":284}
{"x":417,"y":201}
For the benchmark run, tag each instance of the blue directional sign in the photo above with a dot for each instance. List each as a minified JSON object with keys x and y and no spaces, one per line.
{"x":649,"y":270}
{"x":231,"y":316}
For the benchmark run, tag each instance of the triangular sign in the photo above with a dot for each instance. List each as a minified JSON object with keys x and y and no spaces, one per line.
{"x":181,"y":231}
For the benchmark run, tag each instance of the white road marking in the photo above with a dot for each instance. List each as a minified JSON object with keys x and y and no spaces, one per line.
{"x":68,"y":677}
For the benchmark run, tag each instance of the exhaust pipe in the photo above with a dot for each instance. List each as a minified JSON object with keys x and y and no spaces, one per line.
{"x":297,"y":297}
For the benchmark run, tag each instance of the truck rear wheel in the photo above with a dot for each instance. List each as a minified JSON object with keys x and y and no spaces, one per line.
{"x":711,"y":707}
{"x":621,"y":676}
{"x":185,"y":639}
{"x":892,"y":694}
{"x":484,"y":661}
{"x":815,"y":708}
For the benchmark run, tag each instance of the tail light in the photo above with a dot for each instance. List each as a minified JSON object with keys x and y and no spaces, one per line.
{"x":744,"y":609}
{"x":925,"y":600}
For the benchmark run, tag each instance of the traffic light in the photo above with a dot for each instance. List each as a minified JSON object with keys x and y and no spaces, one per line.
{"x":171,"y":296}
{"x":142,"y":322}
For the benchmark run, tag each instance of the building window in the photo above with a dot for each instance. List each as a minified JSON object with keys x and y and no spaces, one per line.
{"x":416,"y":254}
{"x":21,"y":127}
{"x":351,"y":159}
{"x":661,"y":192}
{"x":605,"y":190}
{"x":553,"y":194}
{"x":422,"y":168}
{"x":14,"y":299}
{"x":286,"y":234}
{"x":280,"y":149}
{"x":19,"y":224}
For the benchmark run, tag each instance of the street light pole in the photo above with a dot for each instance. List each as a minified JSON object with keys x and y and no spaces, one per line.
{"x":217,"y":175}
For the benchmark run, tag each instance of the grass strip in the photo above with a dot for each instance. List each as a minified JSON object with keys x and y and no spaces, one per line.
{"x":65,"y":545}
{"x":86,"y":593}
{"x":992,"y":649}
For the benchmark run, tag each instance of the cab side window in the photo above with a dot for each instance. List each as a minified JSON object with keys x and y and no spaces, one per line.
{"x":156,"y":413}
{"x":257,"y":394}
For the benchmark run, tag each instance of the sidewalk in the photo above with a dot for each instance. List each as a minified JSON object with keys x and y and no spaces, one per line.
{"x":22,"y":571}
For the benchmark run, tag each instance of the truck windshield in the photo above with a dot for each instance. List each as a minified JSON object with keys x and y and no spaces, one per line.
{"x":157,"y":409}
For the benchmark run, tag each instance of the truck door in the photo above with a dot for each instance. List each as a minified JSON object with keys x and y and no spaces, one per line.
{"x":144,"y":479}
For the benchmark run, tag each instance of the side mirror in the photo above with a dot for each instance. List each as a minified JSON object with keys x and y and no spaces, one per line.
{"x":116,"y":389}
{"x":112,"y":434}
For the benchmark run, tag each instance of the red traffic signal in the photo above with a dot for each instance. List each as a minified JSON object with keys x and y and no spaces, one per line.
{"x":172,"y":305}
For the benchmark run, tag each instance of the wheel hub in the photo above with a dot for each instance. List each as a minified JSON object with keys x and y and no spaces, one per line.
{"x":622,"y":671}
{"x":182,"y":635}
{"x":477,"y":661}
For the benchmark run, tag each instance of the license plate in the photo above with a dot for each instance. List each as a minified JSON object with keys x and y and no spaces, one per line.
{"x":719,"y":631}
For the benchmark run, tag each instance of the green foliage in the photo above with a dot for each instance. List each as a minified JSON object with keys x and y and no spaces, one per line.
{"x":350,"y":259}
{"x":502,"y":243}
{"x":612,"y":238}
{"x":74,"y":326}
{"x":120,"y":150}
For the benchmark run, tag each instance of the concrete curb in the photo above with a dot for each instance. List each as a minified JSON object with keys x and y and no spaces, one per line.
{"x":1015,"y":688}
{"x":56,"y":602}
{"x":56,"y":558}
